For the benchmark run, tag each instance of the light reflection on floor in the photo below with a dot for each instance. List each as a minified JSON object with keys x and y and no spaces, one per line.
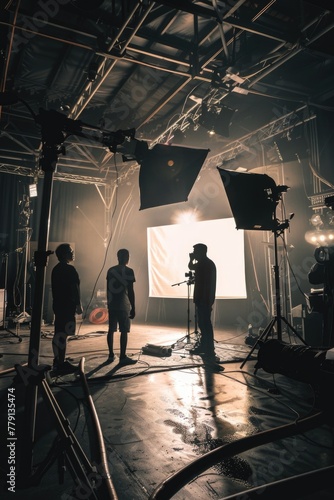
{"x":160,"y":414}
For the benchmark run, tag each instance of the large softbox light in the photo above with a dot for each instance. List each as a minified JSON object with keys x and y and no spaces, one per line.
{"x":167,"y":174}
{"x":252,"y":198}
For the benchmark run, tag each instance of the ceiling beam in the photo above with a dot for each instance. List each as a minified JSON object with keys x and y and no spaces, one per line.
{"x":106,"y":66}
{"x":190,"y":7}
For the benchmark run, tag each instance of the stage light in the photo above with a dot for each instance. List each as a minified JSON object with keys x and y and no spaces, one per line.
{"x":92,"y":71}
{"x":32,"y":190}
{"x":178,"y":137}
{"x":303,"y":363}
{"x":319,"y":237}
{"x":324,"y":254}
{"x":299,"y":362}
{"x":133,"y":150}
{"x":167,"y":174}
{"x":216,"y":119}
{"x":316,"y":220}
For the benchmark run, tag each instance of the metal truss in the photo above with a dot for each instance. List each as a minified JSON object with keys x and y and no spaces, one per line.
{"x":248,"y":142}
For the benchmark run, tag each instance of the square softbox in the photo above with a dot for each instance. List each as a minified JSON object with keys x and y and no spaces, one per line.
{"x":252,"y":199}
{"x":167,"y":174}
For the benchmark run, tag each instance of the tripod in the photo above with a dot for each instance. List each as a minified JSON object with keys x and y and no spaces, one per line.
{"x":278,"y":318}
{"x":190,"y":281}
{"x":91,"y":475}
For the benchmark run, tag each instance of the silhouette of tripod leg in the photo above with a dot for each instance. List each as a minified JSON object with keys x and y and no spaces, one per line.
{"x":294,"y":330}
{"x":264,"y":335}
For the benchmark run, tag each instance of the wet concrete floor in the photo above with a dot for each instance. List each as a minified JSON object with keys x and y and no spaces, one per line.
{"x":163,"y":413}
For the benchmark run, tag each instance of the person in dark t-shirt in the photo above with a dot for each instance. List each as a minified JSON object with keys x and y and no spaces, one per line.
{"x":121,"y":304}
{"x":65,"y":285}
{"x":204,"y":297}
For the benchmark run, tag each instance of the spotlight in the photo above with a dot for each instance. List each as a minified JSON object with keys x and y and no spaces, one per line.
{"x":319,"y":236}
{"x":92,"y":71}
{"x":324,"y":254}
{"x":178,"y":136}
{"x":306,"y":364}
{"x":316,"y":220}
{"x":133,"y":150}
{"x":33,"y":190}
{"x":216,"y":119}
{"x":311,"y":365}
{"x":299,"y":362}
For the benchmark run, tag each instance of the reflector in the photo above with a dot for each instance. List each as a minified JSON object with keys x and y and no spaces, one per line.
{"x":167,"y":174}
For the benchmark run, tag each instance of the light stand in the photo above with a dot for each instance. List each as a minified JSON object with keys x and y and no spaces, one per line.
{"x":253,"y":200}
{"x":51,"y":143}
{"x":278,"y":318}
{"x":55,"y":129}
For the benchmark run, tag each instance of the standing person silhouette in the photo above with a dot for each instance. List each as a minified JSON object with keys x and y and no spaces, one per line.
{"x":121,"y":304}
{"x":65,"y":285}
{"x":204,"y":297}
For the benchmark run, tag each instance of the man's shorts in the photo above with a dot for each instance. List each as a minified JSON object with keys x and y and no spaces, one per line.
{"x":120,"y":318}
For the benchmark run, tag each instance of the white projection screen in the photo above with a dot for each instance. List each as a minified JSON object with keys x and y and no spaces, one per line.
{"x":168,"y":256}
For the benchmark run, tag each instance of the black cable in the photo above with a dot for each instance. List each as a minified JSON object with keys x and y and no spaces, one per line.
{"x":175,"y":482}
{"x":107,"y":248}
{"x":293,"y":488}
{"x":99,"y":451}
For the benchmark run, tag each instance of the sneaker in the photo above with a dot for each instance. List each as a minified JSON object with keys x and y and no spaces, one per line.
{"x":65,"y":368}
{"x":127,"y":361}
{"x":211,"y":363}
{"x":111,"y":358}
{"x":197,"y":350}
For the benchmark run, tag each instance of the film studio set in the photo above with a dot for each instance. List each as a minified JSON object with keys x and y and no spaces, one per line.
{"x":167,"y":249}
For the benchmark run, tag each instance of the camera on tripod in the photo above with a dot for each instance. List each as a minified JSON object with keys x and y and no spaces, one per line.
{"x":191,"y":277}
